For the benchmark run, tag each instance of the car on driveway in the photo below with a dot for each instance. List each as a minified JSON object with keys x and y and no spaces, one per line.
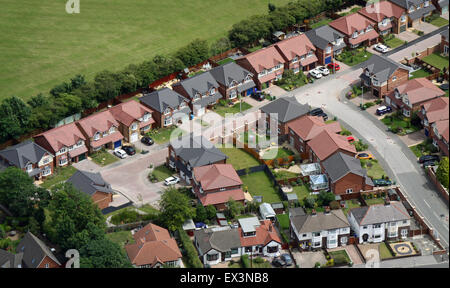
{"x":334,"y":66}
{"x":278,"y":262}
{"x":324,"y":116}
{"x":323,"y":70}
{"x":364,"y":156}
{"x":429,"y":164}
{"x":316,"y":112}
{"x":351,"y":139}
{"x":287,"y":259}
{"x":147,"y":141}
{"x":129,"y":150}
{"x":383,"y":110}
{"x":258,"y":96}
{"x":426,"y":158}
{"x":315,"y":73}
{"x":172,"y":180}
{"x":120,"y":153}
{"x":381,"y":182}
{"x":381,"y":48}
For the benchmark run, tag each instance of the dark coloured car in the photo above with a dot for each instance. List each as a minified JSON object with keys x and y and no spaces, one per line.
{"x":382,"y":182}
{"x":259,"y":96}
{"x":324,"y":116}
{"x":427,"y":158}
{"x":129,"y":150}
{"x":429,"y":163}
{"x":277,"y":262}
{"x":287,"y":259}
{"x":316,"y":112}
{"x":383,"y":110}
{"x":147,"y":140}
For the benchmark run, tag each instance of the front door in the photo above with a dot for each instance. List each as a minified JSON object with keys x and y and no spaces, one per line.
{"x":82,"y":157}
{"x":134,"y":137}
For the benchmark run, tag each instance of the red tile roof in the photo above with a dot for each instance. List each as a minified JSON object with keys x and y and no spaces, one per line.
{"x":307,"y":127}
{"x":99,"y":122}
{"x":419,"y":90}
{"x":295,"y":46}
{"x":216,"y":176}
{"x":153,"y":245}
{"x":128,"y":112}
{"x":215,"y":198}
{"x":384,"y":9}
{"x":66,"y":135}
{"x":351,"y":23}
{"x":327,"y":143}
{"x":265,"y":58}
{"x":437,"y":109}
{"x":116,"y":136}
{"x":366,"y":36}
{"x":443,"y":128}
{"x":265,"y":233}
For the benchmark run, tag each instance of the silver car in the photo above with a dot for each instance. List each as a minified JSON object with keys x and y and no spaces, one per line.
{"x":171,"y":180}
{"x":381,"y":48}
{"x":120,"y":153}
{"x":315,"y":73}
{"x":323,"y":70}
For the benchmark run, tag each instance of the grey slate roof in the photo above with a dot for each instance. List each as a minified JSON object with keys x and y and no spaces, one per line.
{"x":161,"y":99}
{"x":89,"y":183}
{"x":407,"y":3}
{"x":287,"y":109}
{"x":445,"y":33}
{"x":197,"y":150}
{"x":324,"y":35}
{"x":442,"y":4}
{"x":382,"y":67}
{"x":34,"y":251}
{"x":419,"y":13}
{"x":208,"y":100}
{"x":222,"y":241}
{"x":200,"y":83}
{"x":21,"y":154}
{"x":380,"y":213}
{"x":9,"y":260}
{"x":340,"y":164}
{"x":315,"y":223}
{"x":225,"y":74}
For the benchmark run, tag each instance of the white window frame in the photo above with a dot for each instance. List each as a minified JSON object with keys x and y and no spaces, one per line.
{"x":97,"y":136}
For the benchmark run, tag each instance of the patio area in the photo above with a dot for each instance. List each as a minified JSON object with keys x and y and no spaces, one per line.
{"x":402,"y":249}
{"x":308,"y":259}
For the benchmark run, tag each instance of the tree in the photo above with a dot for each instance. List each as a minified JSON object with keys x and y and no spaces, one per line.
{"x":442,"y":172}
{"x":14,"y":118}
{"x":38,"y":101}
{"x":107,"y":85}
{"x":325,"y":198}
{"x":211,"y":211}
{"x":103,"y":253}
{"x":220,"y":46}
{"x":200,"y":213}
{"x":234,"y":208}
{"x":194,"y":53}
{"x":175,"y":209}
{"x":310,"y":201}
{"x":271,"y":7}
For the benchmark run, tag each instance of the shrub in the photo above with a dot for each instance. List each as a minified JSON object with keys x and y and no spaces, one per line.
{"x":2,"y":233}
{"x":443,"y":171}
{"x":334,"y":205}
{"x":245,"y":261}
{"x":126,"y":216}
{"x":191,"y":252}
{"x":317,"y":265}
{"x":259,"y":260}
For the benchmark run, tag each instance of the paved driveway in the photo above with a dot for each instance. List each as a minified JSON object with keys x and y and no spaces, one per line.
{"x":407,"y":36}
{"x":309,"y":259}
{"x":418,"y":47}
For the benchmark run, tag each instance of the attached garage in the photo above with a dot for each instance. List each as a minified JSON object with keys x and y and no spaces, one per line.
{"x":402,"y":28}
{"x":117,"y":144}
{"x":328,"y":60}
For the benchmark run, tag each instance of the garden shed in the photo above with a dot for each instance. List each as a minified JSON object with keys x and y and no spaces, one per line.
{"x":318,"y":182}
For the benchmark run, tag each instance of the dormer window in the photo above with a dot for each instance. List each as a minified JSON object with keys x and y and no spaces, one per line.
{"x":212,"y":91}
{"x":146,"y":117}
{"x":397,"y":94}
{"x":233,"y":83}
{"x":248,"y":78}
{"x":134,"y":126}
{"x":310,"y":53}
{"x":63,"y":150}
{"x":196,"y":96}
{"x":355,"y":34}
{"x":426,"y":4}
{"x":403,"y":18}
{"x":411,"y":9}
{"x":394,"y":78}
{"x":167,"y":111}
{"x":29,"y":167}
{"x":96,"y":136}
{"x":112,"y":129}
{"x":79,"y":143}
{"x":369,"y":28}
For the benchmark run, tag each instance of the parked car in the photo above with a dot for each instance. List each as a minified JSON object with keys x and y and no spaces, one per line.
{"x":147,"y":140}
{"x":351,"y":139}
{"x":129,"y":150}
{"x":316,"y":112}
{"x":315,"y":73}
{"x":429,"y":163}
{"x":364,"y":156}
{"x":277,"y":262}
{"x":287,"y":259}
{"x":172,"y":180}
{"x":323,"y":70}
{"x":381,"y":48}
{"x":259,"y":96}
{"x":324,"y":116}
{"x":383,"y":110}
{"x":334,"y":66}
{"x":120,"y":153}
{"x":381,"y":182}
{"x":426,"y":158}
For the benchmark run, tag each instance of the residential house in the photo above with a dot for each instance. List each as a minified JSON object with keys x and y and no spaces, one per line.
{"x":134,"y":119}
{"x":10,"y":260}
{"x":435,"y":118}
{"x":416,"y":10}
{"x":325,"y":144}
{"x":280,"y":112}
{"x":233,"y":81}
{"x":381,"y":75}
{"x":441,"y":6}
{"x":202,"y":90}
{"x":192,"y":151}
{"x":101,"y":130}
{"x":328,"y":42}
{"x":253,"y":237}
{"x":389,"y":17}
{"x":441,"y":135}
{"x":377,"y":223}
{"x":346,"y":175}
{"x":358,"y":30}
{"x":266,"y":65}
{"x":298,"y":53}
{"x":66,"y":142}
{"x":444,"y":43}
{"x":93,"y":185}
{"x":154,"y":248}
{"x":30,"y":157}
{"x":305,"y":128}
{"x":169,"y":107}
{"x":328,"y":229}
{"x":409,"y":96}
{"x":216,"y":184}
{"x":35,"y":254}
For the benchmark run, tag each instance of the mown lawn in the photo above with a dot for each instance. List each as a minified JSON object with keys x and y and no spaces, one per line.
{"x":436,"y":60}
{"x":302,"y":192}
{"x":163,"y":135}
{"x":103,"y":158}
{"x":350,"y":204}
{"x":236,"y":108}
{"x":394,"y":42}
{"x":43,"y":46}
{"x":121,"y":238}
{"x":259,"y":184}
{"x":239,"y":158}
{"x":281,"y":153}
{"x":373,"y":167}
{"x":321,"y":23}
{"x":385,"y":253}
{"x":340,"y":257}
{"x":162,"y":172}
{"x":225,"y":61}
{"x":439,"y":22}
{"x":374,"y":201}
{"x":60,"y":175}
{"x":283,"y":219}
{"x":419,"y":74}
{"x":354,"y":57}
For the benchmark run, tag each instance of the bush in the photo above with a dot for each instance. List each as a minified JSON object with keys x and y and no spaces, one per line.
{"x":317,"y":265}
{"x":245,"y":261}
{"x":190,"y":251}
{"x":443,"y":171}
{"x":126,"y":216}
{"x":334,"y":205}
{"x":259,"y":260}
{"x":2,"y":233}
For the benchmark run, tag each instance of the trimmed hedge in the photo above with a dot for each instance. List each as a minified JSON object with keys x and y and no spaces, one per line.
{"x":191,"y":252}
{"x":245,"y":261}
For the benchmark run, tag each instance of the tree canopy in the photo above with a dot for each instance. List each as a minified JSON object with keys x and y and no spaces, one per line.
{"x":175,"y":208}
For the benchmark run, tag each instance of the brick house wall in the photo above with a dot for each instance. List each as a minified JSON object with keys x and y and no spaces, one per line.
{"x":220,"y":206}
{"x":349,"y":181}
{"x":102,"y":199}
{"x":401,"y":75}
{"x":444,"y":43}
{"x":321,"y":54}
{"x":48,"y":261}
{"x":313,"y":157}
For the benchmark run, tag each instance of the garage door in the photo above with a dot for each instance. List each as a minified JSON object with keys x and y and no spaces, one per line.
{"x":402,"y":28}
{"x":328,"y":60}
{"x":134,"y":137}
{"x":117,"y":144}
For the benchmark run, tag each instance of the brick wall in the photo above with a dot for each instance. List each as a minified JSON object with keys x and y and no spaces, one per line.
{"x":432,"y":175}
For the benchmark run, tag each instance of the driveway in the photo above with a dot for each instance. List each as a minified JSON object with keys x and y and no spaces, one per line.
{"x":308,"y":259}
{"x":418,"y":47}
{"x":425,"y":27}
{"x":407,"y":36}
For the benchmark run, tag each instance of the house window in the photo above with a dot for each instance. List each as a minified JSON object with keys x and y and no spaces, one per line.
{"x":426,"y":4}
{"x":248,"y":249}
{"x":272,"y":249}
{"x":212,"y":91}
{"x":411,"y":9}
{"x":47,"y":171}
{"x":233,"y":94}
{"x":377,"y":226}
{"x":63,"y":161}
{"x":394,"y":78}
{"x":316,"y":234}
{"x":105,"y":133}
{"x":47,"y":265}
{"x":112,"y":129}
{"x":46,"y":160}
{"x":79,"y":143}
{"x":349,"y":191}
{"x":63,"y":150}
{"x":196,"y":97}
{"x":29,"y":167}
{"x":397,"y":94}
{"x":134,"y":126}
{"x":406,"y":112}
{"x":295,"y":59}
{"x":234,"y":251}
{"x":146,"y":117}
{"x":328,"y":50}
{"x":304,"y":235}
{"x":404,"y":233}
{"x":168,"y":121}
{"x":403,"y":18}
{"x":344,"y":240}
{"x":212,"y":257}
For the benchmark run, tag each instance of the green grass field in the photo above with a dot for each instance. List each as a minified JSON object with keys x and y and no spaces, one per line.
{"x":42,"y":45}
{"x":436,"y":60}
{"x":259,"y":184}
{"x":239,"y":158}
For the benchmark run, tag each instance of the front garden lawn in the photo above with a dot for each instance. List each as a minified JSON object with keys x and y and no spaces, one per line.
{"x":354,"y":57}
{"x":162,"y":172}
{"x":103,"y":158}
{"x":340,"y":257}
{"x":281,"y":153}
{"x":419,"y":74}
{"x":163,"y":135}
{"x":394,"y":42}
{"x":397,"y":123}
{"x":239,"y":158}
{"x":436,"y":60}
{"x":439,"y":22}
{"x":59,"y":175}
{"x":259,"y":184}
{"x":424,"y":148}
{"x":385,"y":253}
{"x":222,"y":110}
{"x":283,"y":219}
{"x":373,"y":167}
